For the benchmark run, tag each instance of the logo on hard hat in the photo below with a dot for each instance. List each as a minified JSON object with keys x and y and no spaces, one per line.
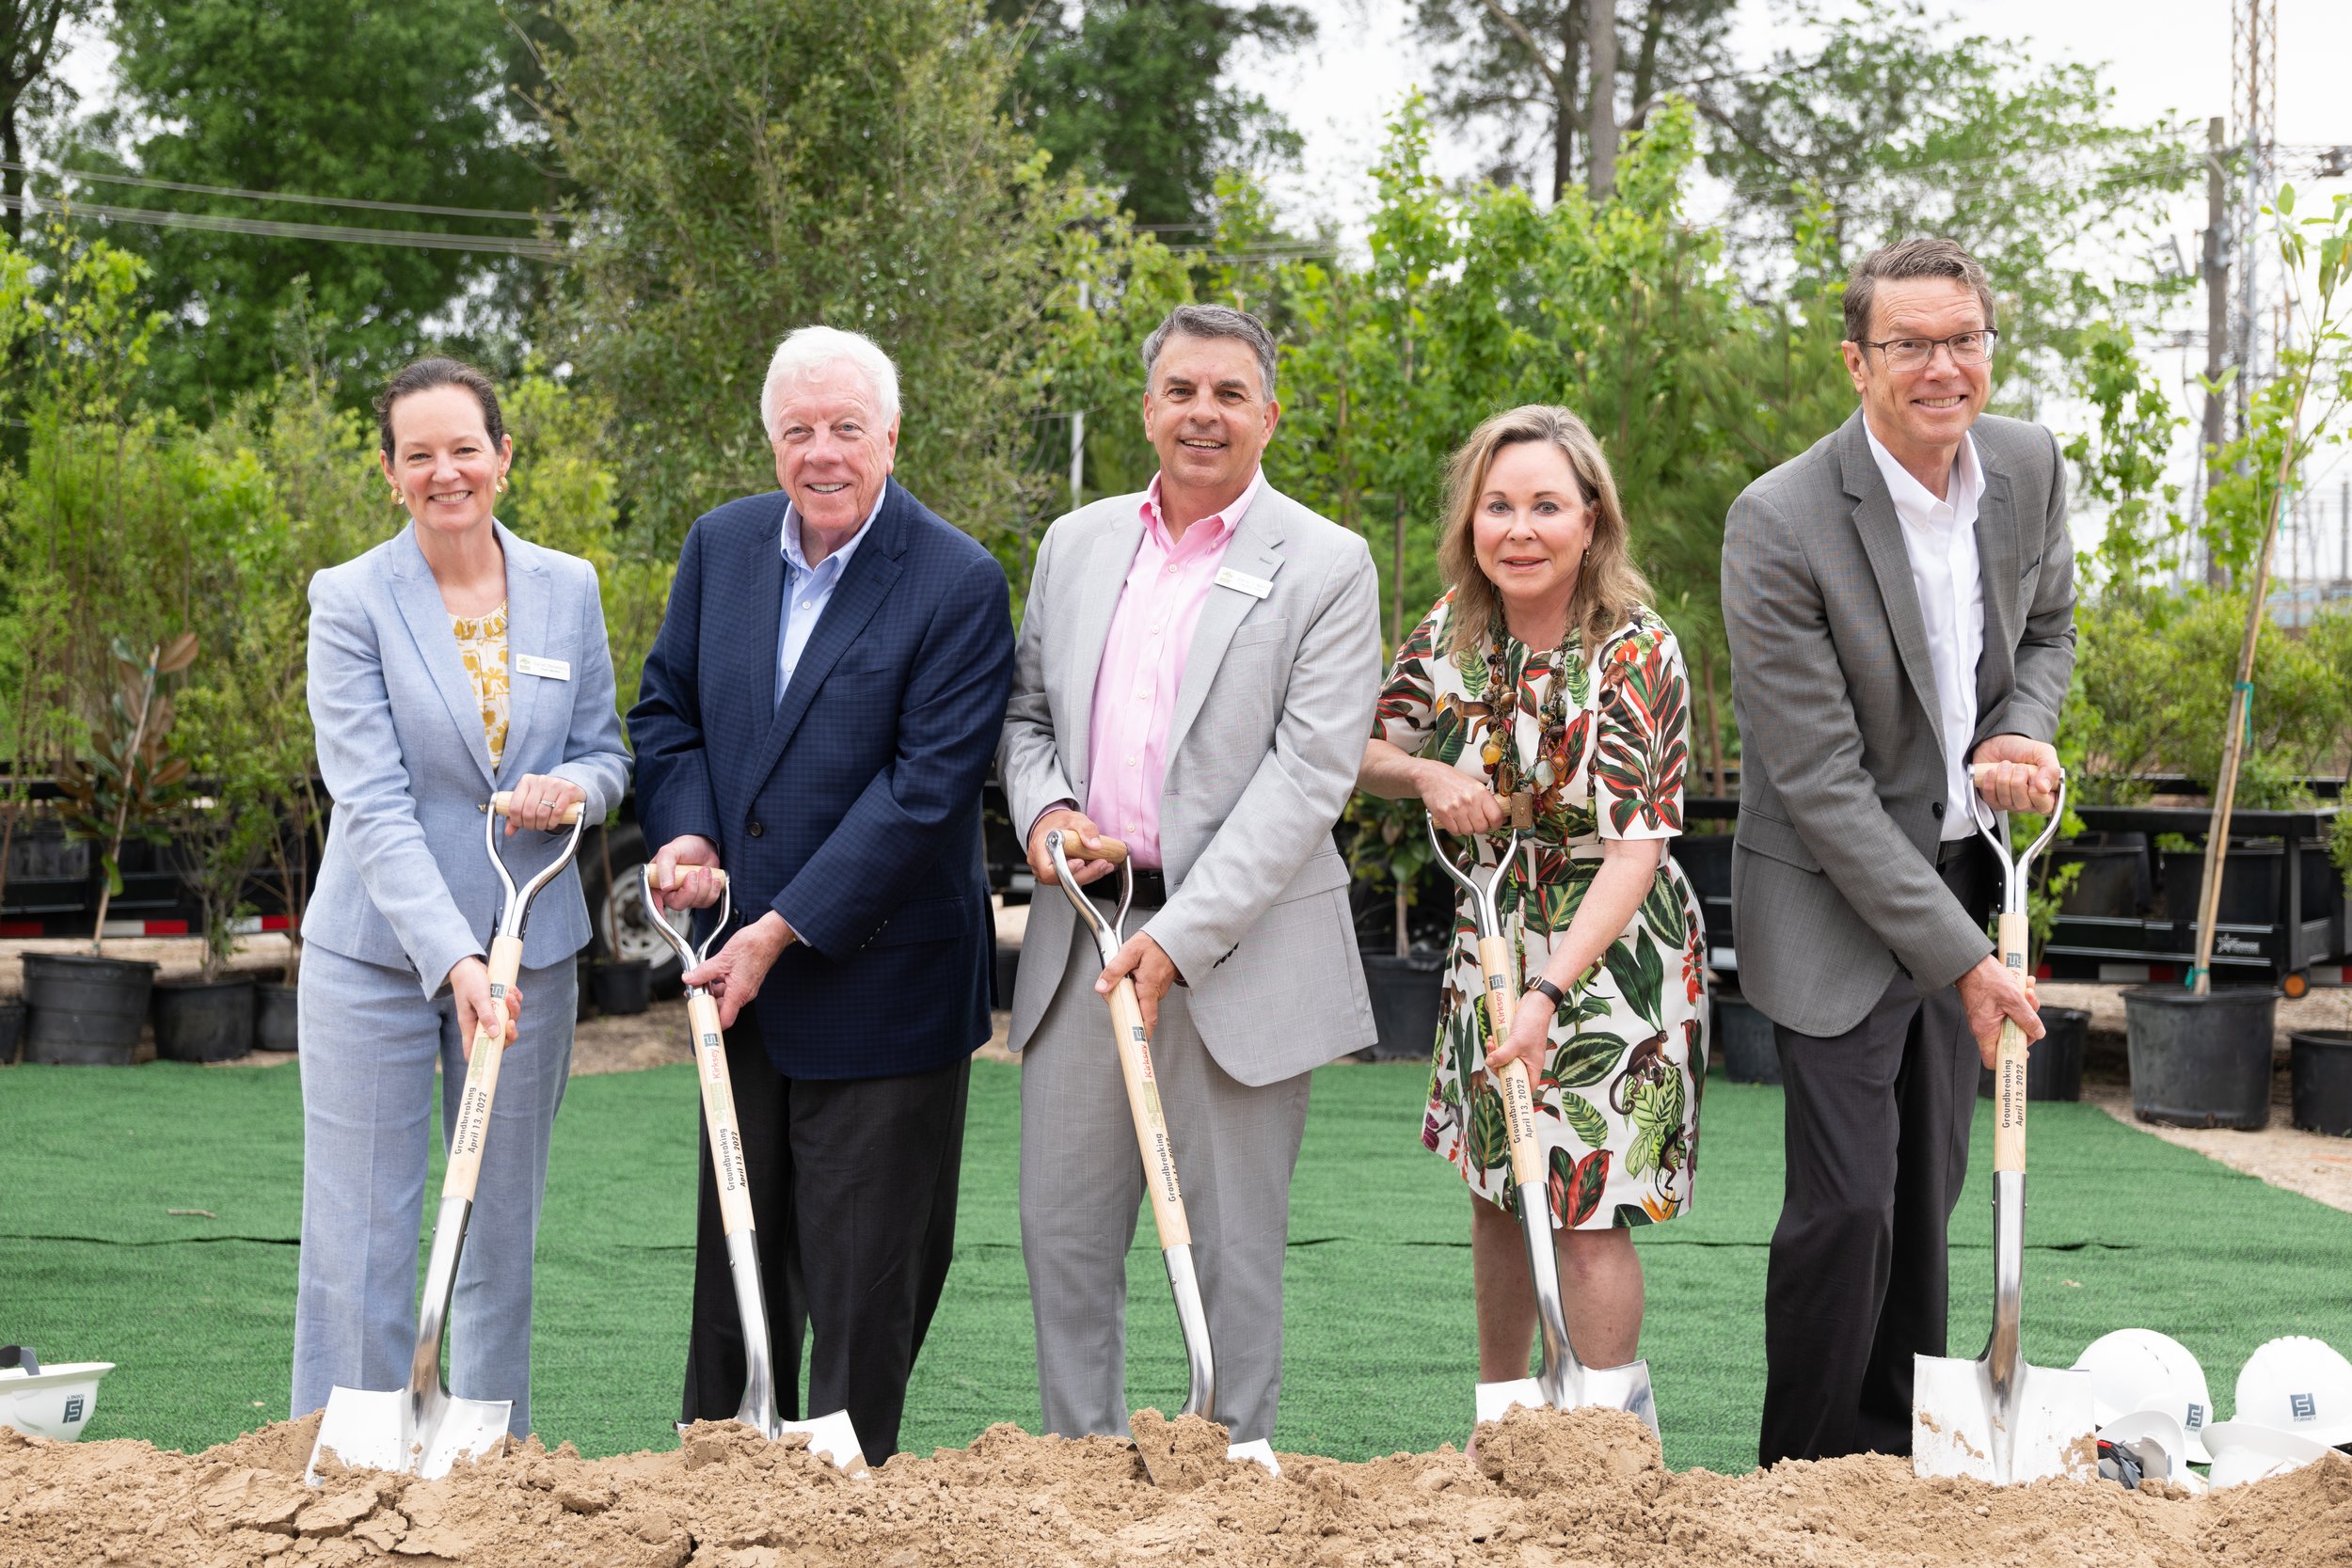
{"x":2196,"y":1416}
{"x":2305,"y":1407}
{"x":74,"y":1407}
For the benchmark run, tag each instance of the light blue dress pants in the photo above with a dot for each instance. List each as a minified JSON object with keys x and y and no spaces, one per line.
{"x":370,"y":1044}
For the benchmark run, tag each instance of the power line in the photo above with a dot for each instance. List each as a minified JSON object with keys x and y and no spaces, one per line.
{"x":333,"y":234}
{"x":98,"y":176}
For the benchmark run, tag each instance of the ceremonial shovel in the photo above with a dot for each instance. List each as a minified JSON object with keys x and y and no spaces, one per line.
{"x":1159,"y":1155}
{"x":832,"y":1435}
{"x":1998,"y":1419}
{"x":420,"y":1429}
{"x":1565,"y":1383}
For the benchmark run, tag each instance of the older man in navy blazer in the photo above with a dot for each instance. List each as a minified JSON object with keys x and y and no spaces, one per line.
{"x":816,"y":716}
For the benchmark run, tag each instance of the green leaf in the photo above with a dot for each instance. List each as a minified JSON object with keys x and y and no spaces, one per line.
{"x":1585,"y":1118}
{"x":114,"y":875}
{"x":1634,"y":964}
{"x":1632,"y":1214}
{"x":1664,"y":911}
{"x":1584,"y":1059}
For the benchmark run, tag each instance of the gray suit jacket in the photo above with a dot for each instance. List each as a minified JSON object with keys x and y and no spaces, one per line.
{"x":403,"y":882}
{"x":1842,"y":768}
{"x":1271,"y":716}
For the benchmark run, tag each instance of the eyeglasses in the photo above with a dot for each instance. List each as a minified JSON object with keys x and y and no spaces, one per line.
{"x":1910,"y":354}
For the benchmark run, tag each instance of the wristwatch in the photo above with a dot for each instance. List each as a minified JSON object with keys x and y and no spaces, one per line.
{"x":1559,"y":997}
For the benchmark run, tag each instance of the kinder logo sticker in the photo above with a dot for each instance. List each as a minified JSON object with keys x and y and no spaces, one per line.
{"x":2304,"y":1407}
{"x":74,"y":1407}
{"x":2196,"y":1416}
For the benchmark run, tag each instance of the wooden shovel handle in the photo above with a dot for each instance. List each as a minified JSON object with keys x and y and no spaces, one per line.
{"x":1144,"y":1105}
{"x":726,"y":1136}
{"x":1105,"y":848}
{"x":1518,"y":1093}
{"x":481,"y":1074}
{"x":2009,"y":1061}
{"x":718,"y":878}
{"x":503,"y":804}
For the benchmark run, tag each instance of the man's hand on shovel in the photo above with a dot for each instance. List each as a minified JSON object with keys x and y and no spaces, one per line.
{"x":735,"y":971}
{"x":1990,"y":993}
{"x":1078,"y":830}
{"x":1152,"y":969}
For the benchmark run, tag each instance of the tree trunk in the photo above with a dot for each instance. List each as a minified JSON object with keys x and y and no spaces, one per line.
{"x":1602,"y":154}
{"x":1645,"y":63}
{"x":1563,"y":138}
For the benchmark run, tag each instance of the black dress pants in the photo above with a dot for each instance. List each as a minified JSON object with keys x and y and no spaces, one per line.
{"x":1877,"y":1151}
{"x":853,"y":1196}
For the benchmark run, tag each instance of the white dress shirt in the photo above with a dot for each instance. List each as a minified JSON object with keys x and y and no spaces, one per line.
{"x":808,"y":590}
{"x":1940,"y":537}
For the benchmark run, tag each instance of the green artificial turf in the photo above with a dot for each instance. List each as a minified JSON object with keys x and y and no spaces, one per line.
{"x":197,"y":1309}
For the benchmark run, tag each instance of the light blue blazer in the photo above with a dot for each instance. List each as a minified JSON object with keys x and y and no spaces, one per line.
{"x":405,"y":883}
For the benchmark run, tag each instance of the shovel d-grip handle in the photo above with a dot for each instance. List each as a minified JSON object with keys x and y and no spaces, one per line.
{"x":1144,"y":1105}
{"x":1518,"y":1094}
{"x":2009,"y":1061}
{"x":481,"y":1074}
{"x":503,"y":804}
{"x":1111,"y":850}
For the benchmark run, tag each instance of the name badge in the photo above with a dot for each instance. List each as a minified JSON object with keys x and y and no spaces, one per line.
{"x":1257,"y":588}
{"x":553,"y":669}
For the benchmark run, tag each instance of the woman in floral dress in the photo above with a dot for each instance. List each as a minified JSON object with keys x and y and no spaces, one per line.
{"x":1541,"y":692}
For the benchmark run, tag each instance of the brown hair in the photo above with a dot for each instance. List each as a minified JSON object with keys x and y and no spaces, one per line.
{"x":1608,"y":587}
{"x":426,"y":374}
{"x":1913,"y":258}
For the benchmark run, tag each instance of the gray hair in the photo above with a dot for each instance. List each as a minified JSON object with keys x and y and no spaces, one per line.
{"x":1906,"y":258}
{"x":809,"y":349}
{"x":1213,"y":321}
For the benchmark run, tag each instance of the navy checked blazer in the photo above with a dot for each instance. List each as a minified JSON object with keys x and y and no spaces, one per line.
{"x":852,"y":808}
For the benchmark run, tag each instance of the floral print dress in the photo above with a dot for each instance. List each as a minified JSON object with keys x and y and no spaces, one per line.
{"x":1618,"y":1101}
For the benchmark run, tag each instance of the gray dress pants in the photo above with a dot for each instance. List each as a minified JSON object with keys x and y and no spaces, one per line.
{"x":1082,"y":1186}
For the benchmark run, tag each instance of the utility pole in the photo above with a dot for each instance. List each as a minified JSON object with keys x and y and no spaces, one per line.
{"x":2254,"y":85}
{"x":2216,"y":266}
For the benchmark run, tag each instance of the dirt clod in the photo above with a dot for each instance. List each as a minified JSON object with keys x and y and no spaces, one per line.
{"x":1548,"y":1489}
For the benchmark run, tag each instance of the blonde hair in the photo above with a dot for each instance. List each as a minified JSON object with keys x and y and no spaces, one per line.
{"x":1608,"y":587}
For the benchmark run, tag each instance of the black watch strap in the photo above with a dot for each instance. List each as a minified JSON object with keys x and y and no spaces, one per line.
{"x":1559,"y":997}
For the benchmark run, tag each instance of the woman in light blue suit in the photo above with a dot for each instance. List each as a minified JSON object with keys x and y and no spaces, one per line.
{"x":451,"y":660}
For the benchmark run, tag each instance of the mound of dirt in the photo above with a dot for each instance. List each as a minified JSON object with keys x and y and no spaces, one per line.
{"x":1547,"y":1491}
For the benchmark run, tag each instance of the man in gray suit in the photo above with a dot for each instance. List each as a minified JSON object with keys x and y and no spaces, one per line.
{"x":1196,"y":675}
{"x":1900,"y":603}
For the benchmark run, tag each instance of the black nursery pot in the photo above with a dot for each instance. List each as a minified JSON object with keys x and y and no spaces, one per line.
{"x":2200,"y":1061}
{"x":2320,"y":1072}
{"x":83,"y":1011}
{"x":2053,"y":1067}
{"x":1407,"y":994}
{"x":204,"y":1021}
{"x":622,"y":987}
{"x":11,"y":1027}
{"x":277,"y":1018}
{"x":1744,"y":1041}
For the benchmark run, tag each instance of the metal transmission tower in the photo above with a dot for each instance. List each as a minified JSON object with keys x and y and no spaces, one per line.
{"x":2254,"y":94}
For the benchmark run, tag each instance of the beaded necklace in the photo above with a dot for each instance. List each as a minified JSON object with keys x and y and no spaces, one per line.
{"x":1517,"y":784}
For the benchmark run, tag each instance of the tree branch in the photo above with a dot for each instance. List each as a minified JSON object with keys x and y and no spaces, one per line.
{"x":1518,"y":29}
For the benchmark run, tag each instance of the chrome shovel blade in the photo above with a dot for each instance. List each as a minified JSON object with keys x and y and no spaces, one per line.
{"x":1496,"y":1398}
{"x":830,"y":1437}
{"x":1256,"y":1451}
{"x":1960,"y":1426}
{"x":1627,"y":1389}
{"x":1192,"y":1319}
{"x":367,"y":1429}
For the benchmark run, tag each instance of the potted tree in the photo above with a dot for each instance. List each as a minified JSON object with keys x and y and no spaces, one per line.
{"x":1389,"y":851}
{"x":2201,"y":1056}
{"x":221,"y":839}
{"x":89,"y":1007}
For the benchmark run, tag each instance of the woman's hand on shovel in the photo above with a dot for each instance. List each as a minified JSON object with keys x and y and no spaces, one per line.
{"x":469,"y":984}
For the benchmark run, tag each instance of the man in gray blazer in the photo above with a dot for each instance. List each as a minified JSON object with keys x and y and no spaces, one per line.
{"x":1899,"y":601}
{"x":1196,"y":675}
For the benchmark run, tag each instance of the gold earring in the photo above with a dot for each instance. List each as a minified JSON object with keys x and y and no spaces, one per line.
{"x":395,"y":493}
{"x":502,"y":485}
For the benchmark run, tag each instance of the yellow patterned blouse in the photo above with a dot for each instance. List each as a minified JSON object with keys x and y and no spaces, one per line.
{"x":482,"y":645}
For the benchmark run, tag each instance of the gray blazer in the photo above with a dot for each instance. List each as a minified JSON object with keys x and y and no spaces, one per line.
{"x":1842,"y":777}
{"x":403,"y":882}
{"x":1271,"y":716}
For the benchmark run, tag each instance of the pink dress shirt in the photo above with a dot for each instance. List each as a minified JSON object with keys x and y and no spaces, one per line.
{"x":1143,"y":664}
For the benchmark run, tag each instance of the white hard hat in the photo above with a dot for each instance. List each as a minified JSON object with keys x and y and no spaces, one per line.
{"x":49,"y":1401}
{"x":2134,"y":1370}
{"x":2245,"y":1450}
{"x":2298,"y":1384}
